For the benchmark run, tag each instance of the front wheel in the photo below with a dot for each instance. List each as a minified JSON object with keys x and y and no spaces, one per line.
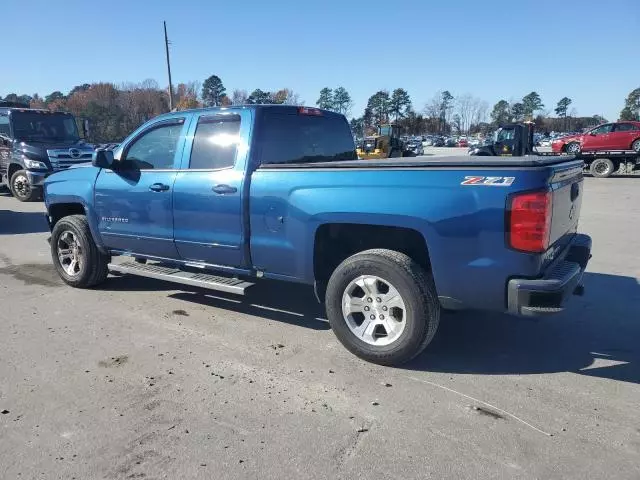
{"x":635,"y":146}
{"x":572,"y":148}
{"x":21,"y":188}
{"x":382,"y":306}
{"x":75,"y":255}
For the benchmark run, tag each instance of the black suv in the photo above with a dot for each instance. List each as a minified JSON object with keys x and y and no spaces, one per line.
{"x":33,"y":145}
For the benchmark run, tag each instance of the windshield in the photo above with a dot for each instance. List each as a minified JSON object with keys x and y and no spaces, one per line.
{"x":44,"y":127}
{"x":503,"y":134}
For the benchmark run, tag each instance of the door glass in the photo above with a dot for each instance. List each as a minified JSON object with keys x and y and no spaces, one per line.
{"x":4,"y":126}
{"x":602,"y":129}
{"x":625,"y":127}
{"x":215,"y":142}
{"x":156,"y":148}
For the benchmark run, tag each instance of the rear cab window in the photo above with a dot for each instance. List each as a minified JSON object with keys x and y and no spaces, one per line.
{"x":294,"y":137}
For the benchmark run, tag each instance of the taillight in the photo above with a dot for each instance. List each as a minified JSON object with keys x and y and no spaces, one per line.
{"x":310,"y":111}
{"x":530,"y":221}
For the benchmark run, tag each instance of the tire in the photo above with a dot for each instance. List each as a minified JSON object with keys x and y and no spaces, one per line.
{"x":602,"y":168}
{"x":420,"y":312}
{"x":572,"y":148}
{"x":21,"y":189}
{"x":92,"y":269}
{"x":635,"y":146}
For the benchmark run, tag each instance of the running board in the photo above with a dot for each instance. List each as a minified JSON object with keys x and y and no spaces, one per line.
{"x":175,"y":275}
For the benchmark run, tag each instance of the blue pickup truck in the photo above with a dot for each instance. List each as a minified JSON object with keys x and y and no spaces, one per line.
{"x":220,"y":197}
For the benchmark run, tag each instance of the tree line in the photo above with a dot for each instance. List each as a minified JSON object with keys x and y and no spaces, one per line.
{"x":114,"y":111}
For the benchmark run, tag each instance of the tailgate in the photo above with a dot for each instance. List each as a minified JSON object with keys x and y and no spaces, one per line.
{"x":567,"y":186}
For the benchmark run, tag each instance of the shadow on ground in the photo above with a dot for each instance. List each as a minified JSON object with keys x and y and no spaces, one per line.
{"x":290,"y":303}
{"x":597,"y":336}
{"x":12,"y":223}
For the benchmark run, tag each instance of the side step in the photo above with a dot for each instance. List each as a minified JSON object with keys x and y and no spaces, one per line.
{"x":175,"y":275}
{"x":541,"y":310}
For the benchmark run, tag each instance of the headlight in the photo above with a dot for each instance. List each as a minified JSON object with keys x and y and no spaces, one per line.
{"x":34,"y":164}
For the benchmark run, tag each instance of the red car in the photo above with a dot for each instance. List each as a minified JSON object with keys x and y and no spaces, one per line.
{"x":610,"y":136}
{"x":463,"y":142}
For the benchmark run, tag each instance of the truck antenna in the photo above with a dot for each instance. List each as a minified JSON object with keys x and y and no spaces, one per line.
{"x":166,"y":47}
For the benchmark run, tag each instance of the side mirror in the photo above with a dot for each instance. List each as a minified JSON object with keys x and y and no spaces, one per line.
{"x":102,"y":158}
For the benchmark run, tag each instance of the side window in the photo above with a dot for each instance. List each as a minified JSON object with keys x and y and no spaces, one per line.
{"x":625,"y":127}
{"x":290,"y":138}
{"x":156,"y":148}
{"x":215,"y":142}
{"x":4,"y":125}
{"x":603,"y":129}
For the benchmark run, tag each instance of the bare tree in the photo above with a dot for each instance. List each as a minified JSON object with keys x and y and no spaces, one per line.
{"x":464,"y":109}
{"x":479,"y":111}
{"x":239,"y":97}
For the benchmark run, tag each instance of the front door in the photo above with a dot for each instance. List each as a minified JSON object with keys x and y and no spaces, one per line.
{"x":207,"y":195}
{"x":623,"y":136}
{"x":134,"y":202}
{"x":5,"y":145}
{"x":598,"y":138}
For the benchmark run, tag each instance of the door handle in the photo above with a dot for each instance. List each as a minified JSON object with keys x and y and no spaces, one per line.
{"x":224,"y":189}
{"x":159,"y":187}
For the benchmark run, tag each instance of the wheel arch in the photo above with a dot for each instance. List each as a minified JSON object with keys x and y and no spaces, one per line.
{"x":75,"y":206}
{"x":335,"y":242}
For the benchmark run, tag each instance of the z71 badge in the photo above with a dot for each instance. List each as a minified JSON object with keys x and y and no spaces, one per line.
{"x":489,"y":181}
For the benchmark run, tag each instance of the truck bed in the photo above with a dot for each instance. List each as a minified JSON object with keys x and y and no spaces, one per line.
{"x":432,"y":162}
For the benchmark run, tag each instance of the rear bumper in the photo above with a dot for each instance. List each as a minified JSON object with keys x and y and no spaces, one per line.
{"x":547,"y":295}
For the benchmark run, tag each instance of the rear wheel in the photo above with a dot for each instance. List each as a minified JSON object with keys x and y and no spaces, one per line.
{"x":602,"y":168}
{"x":572,"y":148}
{"x":21,"y":187}
{"x":75,"y":255}
{"x":382,"y":306}
{"x":635,"y":146}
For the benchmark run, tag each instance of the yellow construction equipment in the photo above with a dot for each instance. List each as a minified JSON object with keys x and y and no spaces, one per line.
{"x":385,"y":144}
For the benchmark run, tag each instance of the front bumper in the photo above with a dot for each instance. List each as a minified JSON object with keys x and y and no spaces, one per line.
{"x":547,"y":295}
{"x":36,"y":179}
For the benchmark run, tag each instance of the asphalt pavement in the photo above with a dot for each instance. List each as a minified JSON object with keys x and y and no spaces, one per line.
{"x":139,"y":379}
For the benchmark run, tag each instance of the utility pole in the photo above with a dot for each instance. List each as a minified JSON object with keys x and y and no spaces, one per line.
{"x":166,"y":46}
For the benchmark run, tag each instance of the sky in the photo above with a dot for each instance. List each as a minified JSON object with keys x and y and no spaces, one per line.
{"x":493,"y":49}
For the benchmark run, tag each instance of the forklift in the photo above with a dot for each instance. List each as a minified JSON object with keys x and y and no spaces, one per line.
{"x":516,"y":140}
{"x":385,"y":144}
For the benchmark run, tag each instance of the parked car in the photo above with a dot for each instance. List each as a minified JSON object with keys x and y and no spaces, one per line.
{"x":185,"y":194}
{"x":438,"y":142}
{"x":610,"y":136}
{"x":463,"y":142}
{"x":450,"y":142}
{"x":415,"y":147}
{"x":427,"y":142}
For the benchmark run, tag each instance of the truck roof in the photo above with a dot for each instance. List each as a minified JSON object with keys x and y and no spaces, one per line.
{"x":33,"y":110}
{"x":269,"y":106}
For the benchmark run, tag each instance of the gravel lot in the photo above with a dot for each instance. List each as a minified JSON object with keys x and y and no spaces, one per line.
{"x":140,"y":380}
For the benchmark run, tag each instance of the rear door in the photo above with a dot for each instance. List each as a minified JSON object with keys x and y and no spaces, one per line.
{"x":623,"y":135}
{"x":208,"y":191}
{"x":134,"y":201}
{"x":598,"y":138}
